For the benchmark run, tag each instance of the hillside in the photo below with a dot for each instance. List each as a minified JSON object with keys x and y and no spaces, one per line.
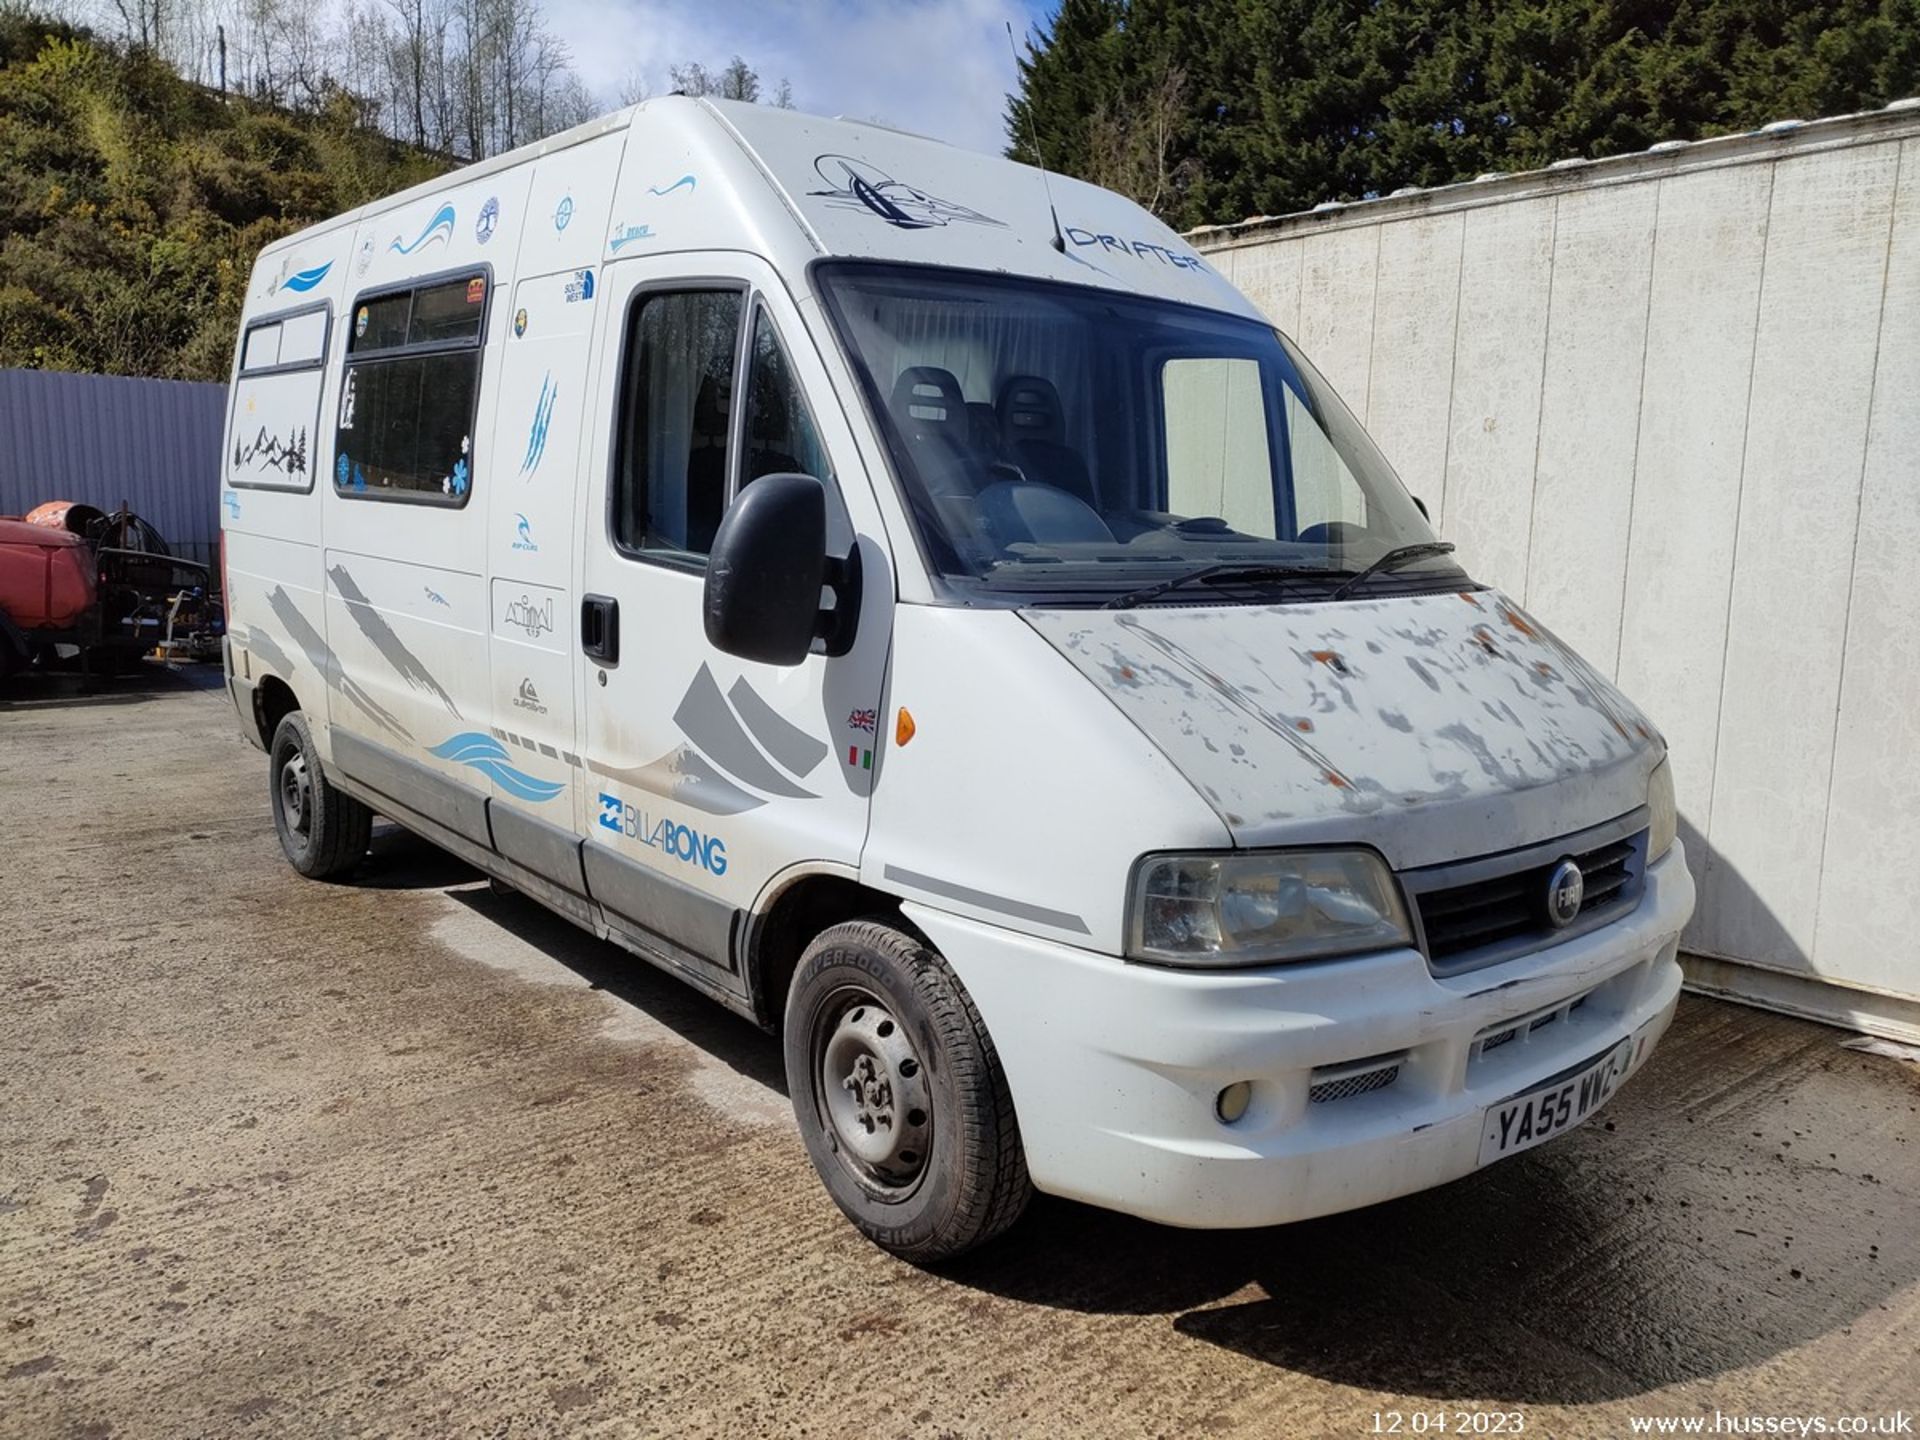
{"x":132,"y":203}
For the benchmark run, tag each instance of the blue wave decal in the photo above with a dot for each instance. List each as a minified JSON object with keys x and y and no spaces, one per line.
{"x":686,"y":182}
{"x":489,"y":757}
{"x":542,"y":419}
{"x":307,"y":279}
{"x":440,"y":228}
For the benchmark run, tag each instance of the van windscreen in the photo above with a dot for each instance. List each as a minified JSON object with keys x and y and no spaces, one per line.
{"x":1063,"y":443}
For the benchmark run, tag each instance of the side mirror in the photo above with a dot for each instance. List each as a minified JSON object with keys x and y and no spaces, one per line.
{"x":767,"y":569}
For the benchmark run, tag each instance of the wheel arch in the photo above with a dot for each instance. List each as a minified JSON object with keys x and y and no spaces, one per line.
{"x":273,"y":700}
{"x":794,"y":909}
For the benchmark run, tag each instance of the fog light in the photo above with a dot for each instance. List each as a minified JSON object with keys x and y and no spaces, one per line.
{"x":1231,"y":1103}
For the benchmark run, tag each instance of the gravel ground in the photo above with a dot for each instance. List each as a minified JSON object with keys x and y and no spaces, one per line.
{"x":403,"y":1157}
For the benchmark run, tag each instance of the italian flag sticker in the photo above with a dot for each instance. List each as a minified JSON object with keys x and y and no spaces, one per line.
{"x":859,"y":759}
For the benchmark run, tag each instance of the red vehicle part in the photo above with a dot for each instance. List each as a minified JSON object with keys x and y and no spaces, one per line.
{"x":46,"y":576}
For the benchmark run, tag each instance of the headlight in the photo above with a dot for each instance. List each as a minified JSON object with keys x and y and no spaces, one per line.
{"x":1664,"y":823}
{"x":1258,"y":909}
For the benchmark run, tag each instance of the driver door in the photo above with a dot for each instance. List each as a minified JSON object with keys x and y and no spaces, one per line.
{"x":710,"y":776}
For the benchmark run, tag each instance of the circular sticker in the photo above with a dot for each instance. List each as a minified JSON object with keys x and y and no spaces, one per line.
{"x":489,"y":217}
{"x":563,"y":213}
{"x":519,"y":323}
{"x":360,"y":323}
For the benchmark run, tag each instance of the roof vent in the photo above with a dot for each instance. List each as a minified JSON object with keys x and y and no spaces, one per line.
{"x":1330,"y":205}
{"x":1912,"y":102}
{"x":1490,"y":175}
{"x":1405,"y":190}
{"x":1572,"y":162}
{"x":1780,"y":127}
{"x":1665,"y":146}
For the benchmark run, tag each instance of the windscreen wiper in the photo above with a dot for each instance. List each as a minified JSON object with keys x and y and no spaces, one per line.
{"x":1394,"y":559}
{"x":1227,"y":572}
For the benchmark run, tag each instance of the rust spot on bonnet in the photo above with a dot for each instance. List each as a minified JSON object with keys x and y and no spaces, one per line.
{"x":1331,"y":659}
{"x":1485,"y":641}
{"x":1303,"y":725}
{"x":1335,"y":779}
{"x":1519,"y":622}
{"x":1467,"y":595}
{"x":1545,"y":670}
{"x":1645,"y":734}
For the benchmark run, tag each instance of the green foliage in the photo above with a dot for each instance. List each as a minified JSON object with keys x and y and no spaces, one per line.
{"x":132,"y":203}
{"x":1280,"y":104}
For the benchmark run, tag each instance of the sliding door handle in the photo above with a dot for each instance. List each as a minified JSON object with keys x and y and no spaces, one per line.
{"x":600,"y":629}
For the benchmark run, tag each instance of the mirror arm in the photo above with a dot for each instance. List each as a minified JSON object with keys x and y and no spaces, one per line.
{"x":836,"y":623}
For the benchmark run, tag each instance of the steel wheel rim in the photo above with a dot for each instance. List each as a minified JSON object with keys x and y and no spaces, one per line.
{"x":296,"y":794}
{"x":870,"y":1091}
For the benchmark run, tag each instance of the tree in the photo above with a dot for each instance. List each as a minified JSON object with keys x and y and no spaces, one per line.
{"x":736,"y":80}
{"x":1212,"y":110}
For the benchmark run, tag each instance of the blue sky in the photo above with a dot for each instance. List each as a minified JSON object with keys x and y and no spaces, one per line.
{"x":939,"y":67}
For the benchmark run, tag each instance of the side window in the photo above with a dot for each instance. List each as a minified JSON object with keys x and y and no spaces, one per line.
{"x":670,"y":486}
{"x":1324,"y":489}
{"x":406,"y":407}
{"x":780,"y":437}
{"x":1219,"y":455}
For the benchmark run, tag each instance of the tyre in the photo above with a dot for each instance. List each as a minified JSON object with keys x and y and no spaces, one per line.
{"x":900,"y":1095}
{"x":324,"y":832}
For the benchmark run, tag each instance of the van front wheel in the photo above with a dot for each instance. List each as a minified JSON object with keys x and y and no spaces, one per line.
{"x":900,"y":1095}
{"x":323,"y":832}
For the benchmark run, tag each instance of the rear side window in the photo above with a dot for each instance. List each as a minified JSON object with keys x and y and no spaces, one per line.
{"x":405,"y":428}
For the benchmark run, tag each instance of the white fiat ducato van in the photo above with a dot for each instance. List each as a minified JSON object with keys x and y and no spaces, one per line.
{"x":944,"y":621}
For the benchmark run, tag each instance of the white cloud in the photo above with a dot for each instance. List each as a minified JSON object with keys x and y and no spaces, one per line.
{"x":938,"y":67}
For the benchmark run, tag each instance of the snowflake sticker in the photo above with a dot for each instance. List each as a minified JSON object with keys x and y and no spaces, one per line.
{"x":457,"y":483}
{"x":340,"y":470}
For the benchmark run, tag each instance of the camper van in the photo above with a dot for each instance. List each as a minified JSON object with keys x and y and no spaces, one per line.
{"x":919,"y":603}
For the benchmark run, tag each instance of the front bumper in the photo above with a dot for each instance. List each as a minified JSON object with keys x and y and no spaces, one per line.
{"x":1114,"y":1067}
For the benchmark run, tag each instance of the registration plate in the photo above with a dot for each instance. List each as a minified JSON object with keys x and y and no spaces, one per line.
{"x":1539,"y":1114}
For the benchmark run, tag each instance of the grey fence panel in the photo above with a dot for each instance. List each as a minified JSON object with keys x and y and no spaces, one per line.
{"x":103,"y":440}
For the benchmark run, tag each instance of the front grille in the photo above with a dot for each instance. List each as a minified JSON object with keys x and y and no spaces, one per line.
{"x":1358,"y":1077}
{"x":1494,"y":915}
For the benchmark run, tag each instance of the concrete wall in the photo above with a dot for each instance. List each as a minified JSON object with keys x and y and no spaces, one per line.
{"x":1672,"y":403}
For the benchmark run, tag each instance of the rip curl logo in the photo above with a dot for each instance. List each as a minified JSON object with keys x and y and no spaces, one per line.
{"x":533,"y":617}
{"x":856,"y":184}
{"x":523,"y":536}
{"x":668,"y":836}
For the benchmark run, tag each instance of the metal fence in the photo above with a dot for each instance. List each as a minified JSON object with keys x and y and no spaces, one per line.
{"x":153,"y":445}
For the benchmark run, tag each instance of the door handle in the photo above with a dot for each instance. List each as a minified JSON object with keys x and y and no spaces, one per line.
{"x":600,"y":628}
